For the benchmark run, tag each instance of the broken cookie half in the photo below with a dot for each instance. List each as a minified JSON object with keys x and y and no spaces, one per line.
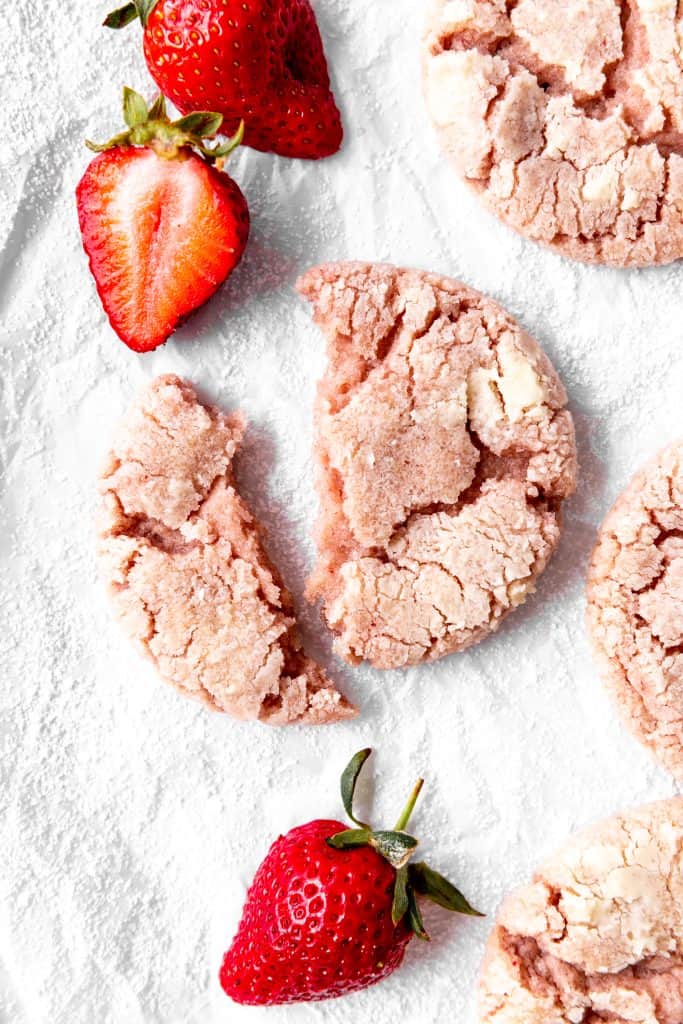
{"x":444,"y":452}
{"x":598,"y":935}
{"x":187,"y":573}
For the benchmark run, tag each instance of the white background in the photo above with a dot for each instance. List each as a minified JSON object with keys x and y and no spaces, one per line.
{"x":132,"y":820}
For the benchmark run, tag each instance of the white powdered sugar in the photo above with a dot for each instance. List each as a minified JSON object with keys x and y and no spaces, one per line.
{"x":131,"y":819}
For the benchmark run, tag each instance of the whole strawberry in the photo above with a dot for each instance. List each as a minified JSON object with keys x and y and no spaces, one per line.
{"x":161,"y":225}
{"x":261,"y":61}
{"x":331,"y":910}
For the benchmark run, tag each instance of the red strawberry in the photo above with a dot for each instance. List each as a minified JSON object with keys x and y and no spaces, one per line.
{"x":162,"y":227}
{"x":258,"y":60}
{"x":331,"y":910}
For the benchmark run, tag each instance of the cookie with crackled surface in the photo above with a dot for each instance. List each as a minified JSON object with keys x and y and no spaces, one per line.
{"x":566,"y":117}
{"x":444,"y":451}
{"x":598,"y":934}
{"x":635,"y":605}
{"x":186,"y":570}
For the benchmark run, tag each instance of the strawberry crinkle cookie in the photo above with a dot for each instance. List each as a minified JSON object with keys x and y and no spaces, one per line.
{"x":566,"y":117}
{"x":598,"y":935}
{"x":635,"y":605}
{"x":444,"y":453}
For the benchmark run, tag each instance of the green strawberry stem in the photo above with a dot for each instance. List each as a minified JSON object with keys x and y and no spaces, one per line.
{"x":397,"y":847}
{"x":409,"y":807}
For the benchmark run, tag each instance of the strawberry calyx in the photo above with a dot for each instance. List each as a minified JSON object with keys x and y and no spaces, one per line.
{"x":152,"y":127}
{"x":397,"y":847}
{"x":123,"y":16}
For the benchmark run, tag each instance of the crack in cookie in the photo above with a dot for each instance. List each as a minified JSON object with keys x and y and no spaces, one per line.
{"x":567,"y":118}
{"x":187,"y":573}
{"x":598,"y":935}
{"x":635,"y":605}
{"x":442,"y":471}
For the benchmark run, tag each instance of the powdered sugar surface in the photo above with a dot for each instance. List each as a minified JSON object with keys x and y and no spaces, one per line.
{"x":131,"y":820}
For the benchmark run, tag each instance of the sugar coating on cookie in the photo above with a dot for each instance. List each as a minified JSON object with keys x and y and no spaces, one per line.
{"x":566,"y":117}
{"x":187,"y":573}
{"x":635,"y":605}
{"x":444,"y":451}
{"x":598,"y":935}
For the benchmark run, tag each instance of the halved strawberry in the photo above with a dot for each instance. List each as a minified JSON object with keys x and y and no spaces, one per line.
{"x":260,"y":60}
{"x":162,"y":227}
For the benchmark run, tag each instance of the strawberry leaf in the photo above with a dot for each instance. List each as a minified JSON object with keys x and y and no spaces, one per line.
{"x":223,"y":150}
{"x":134,"y":107}
{"x":396,"y":847}
{"x":157,"y":112}
{"x":400,"y":904}
{"x":439,"y":890}
{"x":121,"y":17}
{"x":145,"y":8}
{"x":415,"y":917}
{"x":348,"y":783}
{"x":123,"y":139}
{"x":350,"y":838}
{"x":201,"y":123}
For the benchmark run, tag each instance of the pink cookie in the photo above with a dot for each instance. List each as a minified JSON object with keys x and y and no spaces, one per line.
{"x":444,"y":452}
{"x":566,"y":117}
{"x":635,"y":605}
{"x":187,"y":574}
{"x":598,"y":935}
